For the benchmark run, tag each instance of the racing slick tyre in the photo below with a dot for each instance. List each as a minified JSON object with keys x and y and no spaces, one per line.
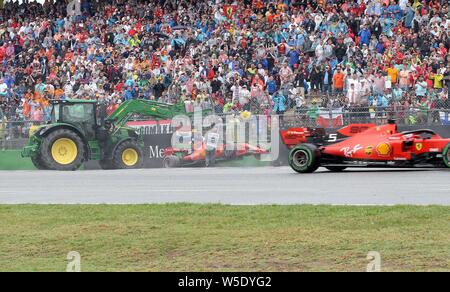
{"x":128,"y":155}
{"x":305,"y":158}
{"x":171,"y":162}
{"x":446,"y":155}
{"x":336,"y":168}
{"x":62,"y":150}
{"x":37,"y":162}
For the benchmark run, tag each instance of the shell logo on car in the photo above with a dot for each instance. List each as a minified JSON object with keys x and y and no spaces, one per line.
{"x":384,"y":149}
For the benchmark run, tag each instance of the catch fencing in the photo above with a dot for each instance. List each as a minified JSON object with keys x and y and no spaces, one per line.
{"x":335,"y":118}
{"x":15,"y":134}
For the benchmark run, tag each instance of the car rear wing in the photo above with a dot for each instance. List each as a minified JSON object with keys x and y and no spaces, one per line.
{"x":295,"y":136}
{"x":318,"y":136}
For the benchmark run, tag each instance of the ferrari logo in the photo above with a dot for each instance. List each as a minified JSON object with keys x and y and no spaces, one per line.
{"x":369,"y":150}
{"x":419,"y":146}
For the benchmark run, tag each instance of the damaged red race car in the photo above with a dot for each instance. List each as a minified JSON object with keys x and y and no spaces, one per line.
{"x":174,"y":158}
{"x":365,"y":145}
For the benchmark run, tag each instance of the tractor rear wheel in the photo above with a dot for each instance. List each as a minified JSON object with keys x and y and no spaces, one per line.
{"x":128,"y":155}
{"x":305,"y":158}
{"x":62,"y":150}
{"x":446,"y":155}
{"x":171,"y":162}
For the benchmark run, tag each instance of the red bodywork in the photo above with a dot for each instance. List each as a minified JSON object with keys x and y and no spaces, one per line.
{"x":242,"y":149}
{"x":384,"y":143}
{"x":371,"y":143}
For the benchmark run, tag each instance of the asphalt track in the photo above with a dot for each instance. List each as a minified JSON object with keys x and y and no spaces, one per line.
{"x":235,"y":186}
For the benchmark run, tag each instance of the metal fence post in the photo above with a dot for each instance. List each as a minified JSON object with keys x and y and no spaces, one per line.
{"x":330,"y":112}
{"x":2,"y":133}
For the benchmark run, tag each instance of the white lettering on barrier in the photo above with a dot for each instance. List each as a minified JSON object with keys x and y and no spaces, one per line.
{"x":156,"y":152}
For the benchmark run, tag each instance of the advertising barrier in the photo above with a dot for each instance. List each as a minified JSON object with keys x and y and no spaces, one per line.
{"x":157,"y":137}
{"x":12,"y":160}
{"x":158,"y":134}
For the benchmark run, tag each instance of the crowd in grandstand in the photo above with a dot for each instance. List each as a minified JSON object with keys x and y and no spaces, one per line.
{"x":258,"y":56}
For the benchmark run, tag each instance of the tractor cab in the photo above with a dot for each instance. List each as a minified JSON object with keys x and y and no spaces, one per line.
{"x":79,"y":113}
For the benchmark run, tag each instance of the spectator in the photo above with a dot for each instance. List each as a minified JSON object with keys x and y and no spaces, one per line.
{"x":201,"y":52}
{"x":338,"y":80}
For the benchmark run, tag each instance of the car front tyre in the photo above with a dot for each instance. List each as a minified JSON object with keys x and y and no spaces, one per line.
{"x":446,"y":155}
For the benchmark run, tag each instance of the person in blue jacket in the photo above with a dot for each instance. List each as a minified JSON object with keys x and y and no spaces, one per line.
{"x":279,"y":104}
{"x":271,"y":86}
{"x":294,"y":57}
{"x":365,"y":35}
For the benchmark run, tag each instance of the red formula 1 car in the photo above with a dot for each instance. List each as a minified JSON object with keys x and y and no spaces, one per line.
{"x":362,"y":145}
{"x":179,"y":158}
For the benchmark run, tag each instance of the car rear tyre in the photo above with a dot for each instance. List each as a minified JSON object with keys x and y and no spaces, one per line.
{"x":62,"y":150}
{"x":128,"y":155}
{"x":305,"y":158}
{"x":446,"y":155}
{"x":171,"y":162}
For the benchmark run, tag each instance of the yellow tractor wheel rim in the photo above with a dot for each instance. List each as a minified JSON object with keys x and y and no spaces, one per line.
{"x":64,"y":151}
{"x":130,"y":157}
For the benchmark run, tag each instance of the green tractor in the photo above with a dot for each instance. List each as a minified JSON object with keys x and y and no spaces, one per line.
{"x":80,"y":131}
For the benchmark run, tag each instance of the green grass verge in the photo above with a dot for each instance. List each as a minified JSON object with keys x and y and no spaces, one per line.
{"x":224,"y":238}
{"x":12,"y":160}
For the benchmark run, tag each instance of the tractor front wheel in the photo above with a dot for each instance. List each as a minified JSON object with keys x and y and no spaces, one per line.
{"x":128,"y":155}
{"x":305,"y":158}
{"x":61,"y":150}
